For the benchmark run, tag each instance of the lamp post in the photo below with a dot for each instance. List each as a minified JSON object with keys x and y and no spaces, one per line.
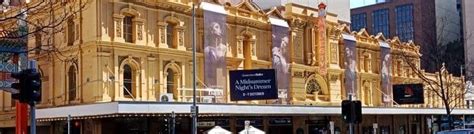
{"x":194,"y":108}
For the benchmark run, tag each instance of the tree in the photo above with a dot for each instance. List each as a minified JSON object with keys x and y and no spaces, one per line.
{"x":440,"y":56}
{"x":39,"y":16}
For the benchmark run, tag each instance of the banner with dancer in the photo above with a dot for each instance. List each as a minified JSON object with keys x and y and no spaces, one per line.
{"x":280,"y":52}
{"x":350,"y":65}
{"x":385,"y":58}
{"x":215,"y":47}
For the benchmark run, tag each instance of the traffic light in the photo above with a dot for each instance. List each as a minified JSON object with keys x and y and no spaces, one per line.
{"x":165,"y":126}
{"x":29,"y":86}
{"x":351,"y":111}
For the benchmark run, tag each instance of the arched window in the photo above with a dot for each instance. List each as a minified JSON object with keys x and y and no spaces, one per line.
{"x":170,"y":81}
{"x":127,"y":81}
{"x":71,"y":74}
{"x":128,"y":29}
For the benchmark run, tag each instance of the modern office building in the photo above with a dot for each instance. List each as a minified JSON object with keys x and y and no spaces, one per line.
{"x":468,"y":32}
{"x":423,"y":21}
{"x":123,"y":67}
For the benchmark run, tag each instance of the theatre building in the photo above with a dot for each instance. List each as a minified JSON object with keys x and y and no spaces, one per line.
{"x":124,"y":66}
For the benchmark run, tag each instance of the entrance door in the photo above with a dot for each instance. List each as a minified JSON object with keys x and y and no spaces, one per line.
{"x":280,"y":129}
{"x":415,"y":129}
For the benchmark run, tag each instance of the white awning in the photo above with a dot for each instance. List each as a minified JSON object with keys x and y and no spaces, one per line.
{"x":348,"y":37}
{"x":213,"y":7}
{"x":384,"y":44}
{"x":278,"y":22}
{"x":225,"y":109}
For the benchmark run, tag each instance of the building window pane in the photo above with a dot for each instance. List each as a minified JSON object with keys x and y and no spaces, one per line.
{"x":70,"y":32}
{"x":404,"y":22}
{"x":170,"y":35}
{"x":170,"y":81}
{"x":358,"y":21}
{"x":380,"y":22}
{"x":72,"y":83}
{"x":127,"y":29}
{"x":127,"y":80}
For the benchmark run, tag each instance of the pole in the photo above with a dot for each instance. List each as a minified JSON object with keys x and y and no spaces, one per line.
{"x":33,"y":118}
{"x":194,"y":111}
{"x":21,"y":118}
{"x":68,"y":124}
{"x":351,"y":125}
{"x":32,"y":65}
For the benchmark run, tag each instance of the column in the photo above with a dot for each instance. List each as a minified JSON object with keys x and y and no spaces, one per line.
{"x":118,"y":21}
{"x":139,"y":34}
{"x":180,"y":37}
{"x":162,"y":35}
{"x":240,"y":42}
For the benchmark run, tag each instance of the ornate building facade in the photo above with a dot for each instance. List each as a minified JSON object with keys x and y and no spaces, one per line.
{"x":114,"y":63}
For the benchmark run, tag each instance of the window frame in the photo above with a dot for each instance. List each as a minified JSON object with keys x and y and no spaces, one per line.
{"x":128,"y":29}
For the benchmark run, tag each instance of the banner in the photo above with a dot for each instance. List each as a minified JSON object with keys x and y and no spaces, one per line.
{"x":280,"y":52}
{"x":350,"y":74}
{"x":253,"y":84}
{"x":408,"y":94}
{"x":215,"y":47}
{"x":386,"y":59}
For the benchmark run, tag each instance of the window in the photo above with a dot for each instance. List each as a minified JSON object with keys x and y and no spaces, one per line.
{"x":170,"y":35}
{"x":358,"y":21}
{"x":127,"y":80}
{"x":70,"y":32}
{"x":380,"y":22}
{"x":37,"y":43}
{"x":404,"y":22}
{"x":128,"y":29}
{"x":170,"y":84}
{"x":71,"y":74}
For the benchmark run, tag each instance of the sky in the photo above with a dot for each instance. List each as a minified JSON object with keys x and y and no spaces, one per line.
{"x":359,"y":3}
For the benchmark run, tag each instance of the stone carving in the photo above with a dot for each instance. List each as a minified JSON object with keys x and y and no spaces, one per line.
{"x":118,"y":28}
{"x":312,"y":86}
{"x":140,"y":32}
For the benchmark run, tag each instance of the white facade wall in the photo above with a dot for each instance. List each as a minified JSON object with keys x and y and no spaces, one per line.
{"x":339,"y":7}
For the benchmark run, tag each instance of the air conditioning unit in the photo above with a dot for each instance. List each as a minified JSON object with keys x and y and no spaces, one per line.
{"x":168,"y":97}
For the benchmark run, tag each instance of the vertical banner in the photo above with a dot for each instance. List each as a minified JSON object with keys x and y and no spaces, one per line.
{"x":385,"y":72}
{"x":280,"y":52}
{"x":215,"y":47}
{"x":322,"y":41}
{"x":350,"y":74}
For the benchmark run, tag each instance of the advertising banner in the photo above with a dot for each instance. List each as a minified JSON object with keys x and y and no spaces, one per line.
{"x":350,"y":74}
{"x":408,"y":94}
{"x":215,"y":46}
{"x":280,"y":52}
{"x":253,"y":84}
{"x":386,"y":59}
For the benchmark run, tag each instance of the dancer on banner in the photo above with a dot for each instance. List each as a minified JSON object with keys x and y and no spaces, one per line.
{"x":350,"y":63}
{"x":215,"y":48}
{"x":280,"y":53}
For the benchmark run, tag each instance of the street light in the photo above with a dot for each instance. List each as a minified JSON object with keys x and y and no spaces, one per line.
{"x":194,"y":108}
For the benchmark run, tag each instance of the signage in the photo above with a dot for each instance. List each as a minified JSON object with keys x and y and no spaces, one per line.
{"x":253,"y":122}
{"x":281,"y":121}
{"x":257,"y":84}
{"x":206,"y":123}
{"x":408,"y":94}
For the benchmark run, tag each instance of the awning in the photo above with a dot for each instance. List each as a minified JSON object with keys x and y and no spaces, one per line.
{"x":137,"y":108}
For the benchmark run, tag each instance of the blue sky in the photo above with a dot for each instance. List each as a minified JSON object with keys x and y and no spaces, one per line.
{"x":359,"y":3}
